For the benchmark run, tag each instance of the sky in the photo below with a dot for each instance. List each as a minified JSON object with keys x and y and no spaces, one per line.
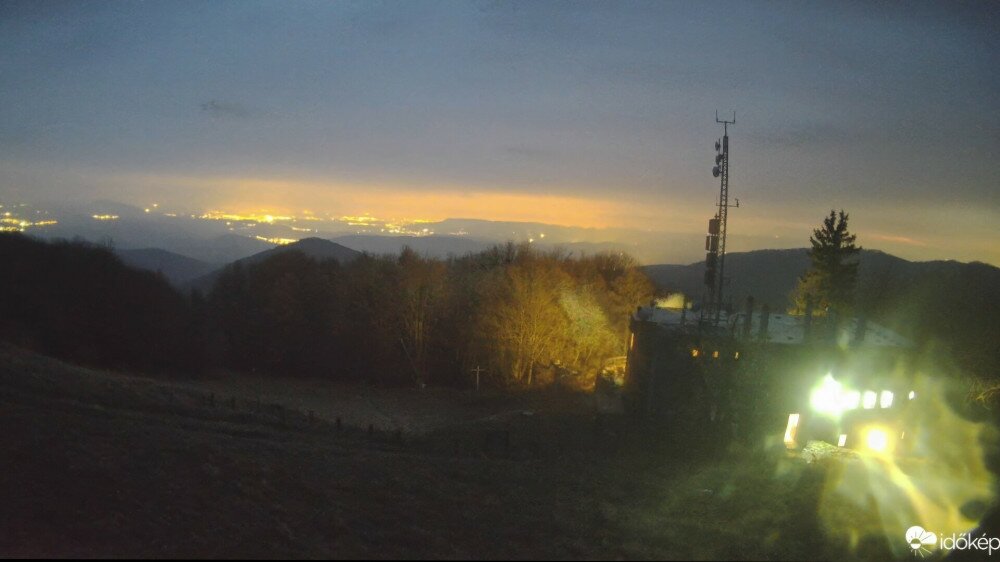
{"x":584,"y":114}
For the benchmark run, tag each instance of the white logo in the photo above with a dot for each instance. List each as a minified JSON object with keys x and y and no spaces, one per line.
{"x":920,"y":540}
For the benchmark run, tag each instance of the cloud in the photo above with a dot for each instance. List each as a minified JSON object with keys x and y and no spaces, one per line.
{"x":224,"y":110}
{"x":814,"y":134}
{"x":840,"y":106}
{"x":899,"y":239}
{"x":525,"y":152}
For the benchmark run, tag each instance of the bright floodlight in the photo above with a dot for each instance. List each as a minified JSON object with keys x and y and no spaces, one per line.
{"x":826,"y":398}
{"x":885,"y":400}
{"x":870,"y":399}
{"x":877,"y":440}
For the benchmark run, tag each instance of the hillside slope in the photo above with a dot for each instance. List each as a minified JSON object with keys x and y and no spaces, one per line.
{"x":175,"y":267}
{"x":80,"y":302}
{"x":315,"y":248}
{"x":101,"y":464}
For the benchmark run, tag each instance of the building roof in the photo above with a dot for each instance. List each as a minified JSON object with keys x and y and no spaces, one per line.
{"x":786,"y":329}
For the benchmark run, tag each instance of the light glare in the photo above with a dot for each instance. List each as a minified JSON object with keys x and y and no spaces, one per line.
{"x":826,"y":398}
{"x":791,"y":429}
{"x":877,"y":440}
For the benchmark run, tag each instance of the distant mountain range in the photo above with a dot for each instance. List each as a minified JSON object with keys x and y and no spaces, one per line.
{"x":221,"y":249}
{"x":220,"y":237}
{"x":771,"y":275}
{"x":176,"y":268}
{"x":315,"y":248}
{"x":223,"y":239}
{"x":958,"y":303}
{"x":188,"y":272}
{"x":768,"y":275}
{"x":432,"y":246}
{"x":955,"y":305}
{"x":444,"y":246}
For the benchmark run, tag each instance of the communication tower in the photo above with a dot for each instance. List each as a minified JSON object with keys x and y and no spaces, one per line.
{"x":715,"y":242}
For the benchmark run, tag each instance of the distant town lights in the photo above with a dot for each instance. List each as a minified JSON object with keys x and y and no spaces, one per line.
{"x":278,"y":241}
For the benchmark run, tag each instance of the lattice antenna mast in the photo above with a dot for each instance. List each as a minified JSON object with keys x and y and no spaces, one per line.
{"x":715,"y":243}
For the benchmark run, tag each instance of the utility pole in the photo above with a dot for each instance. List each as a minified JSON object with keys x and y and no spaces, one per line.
{"x":715,"y":242}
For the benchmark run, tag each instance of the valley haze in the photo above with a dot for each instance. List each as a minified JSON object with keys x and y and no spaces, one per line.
{"x":218,"y":237}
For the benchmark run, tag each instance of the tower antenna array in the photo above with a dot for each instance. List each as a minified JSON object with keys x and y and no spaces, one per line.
{"x":715,"y":242}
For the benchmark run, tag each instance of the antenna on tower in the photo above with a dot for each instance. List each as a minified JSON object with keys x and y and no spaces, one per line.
{"x":715,"y":242}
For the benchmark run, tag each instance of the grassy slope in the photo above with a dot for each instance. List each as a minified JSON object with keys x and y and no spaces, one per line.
{"x":96,"y":463}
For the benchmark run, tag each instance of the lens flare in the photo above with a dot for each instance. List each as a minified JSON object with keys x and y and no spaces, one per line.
{"x":826,"y":398}
{"x":851,"y":400}
{"x":924,"y":480}
{"x":877,"y":440}
{"x":791,"y":430}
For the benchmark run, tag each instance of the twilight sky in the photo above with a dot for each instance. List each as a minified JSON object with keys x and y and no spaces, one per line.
{"x":587,"y":114}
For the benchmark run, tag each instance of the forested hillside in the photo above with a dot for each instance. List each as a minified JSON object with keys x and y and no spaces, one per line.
{"x":523,"y":317}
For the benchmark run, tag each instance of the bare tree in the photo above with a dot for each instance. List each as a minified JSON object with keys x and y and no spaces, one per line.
{"x":422,"y":292}
{"x":524,"y":319}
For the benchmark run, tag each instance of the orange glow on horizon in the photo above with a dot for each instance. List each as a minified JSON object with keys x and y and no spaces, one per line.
{"x":898,"y":239}
{"x":910,"y":232}
{"x":254,"y":196}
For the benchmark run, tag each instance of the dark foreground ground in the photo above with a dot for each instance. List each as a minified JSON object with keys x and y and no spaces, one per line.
{"x":98,"y":464}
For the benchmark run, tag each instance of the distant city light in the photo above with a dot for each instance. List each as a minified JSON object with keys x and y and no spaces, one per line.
{"x":10,"y":222}
{"x":278,"y":241}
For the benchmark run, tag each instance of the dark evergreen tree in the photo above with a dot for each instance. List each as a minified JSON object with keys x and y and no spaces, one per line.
{"x":831,"y":279}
